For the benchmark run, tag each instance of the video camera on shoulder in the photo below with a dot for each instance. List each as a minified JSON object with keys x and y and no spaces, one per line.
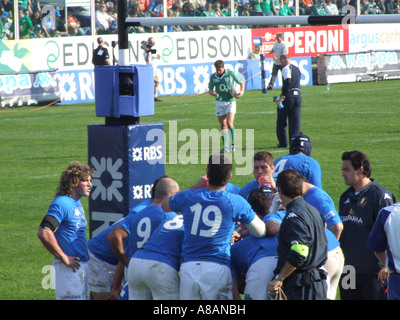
{"x":147,"y":46}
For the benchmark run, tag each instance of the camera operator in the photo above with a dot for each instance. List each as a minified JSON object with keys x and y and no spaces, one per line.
{"x":151,"y":57}
{"x":101,"y":57}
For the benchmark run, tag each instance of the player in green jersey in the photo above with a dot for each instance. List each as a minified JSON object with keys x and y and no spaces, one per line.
{"x":224,"y":82}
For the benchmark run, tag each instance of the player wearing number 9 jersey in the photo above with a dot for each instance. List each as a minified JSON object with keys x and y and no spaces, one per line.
{"x":210,"y":215}
{"x":153,"y":270}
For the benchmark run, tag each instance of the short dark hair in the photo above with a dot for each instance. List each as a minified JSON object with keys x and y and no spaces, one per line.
{"x":259,"y":202}
{"x":219,"y":170}
{"x":290,"y":183}
{"x":219,"y":64}
{"x":264,"y":156}
{"x":358,"y":160}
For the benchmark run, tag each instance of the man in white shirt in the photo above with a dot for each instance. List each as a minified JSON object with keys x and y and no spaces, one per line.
{"x":152,"y":57}
{"x":278,"y":49}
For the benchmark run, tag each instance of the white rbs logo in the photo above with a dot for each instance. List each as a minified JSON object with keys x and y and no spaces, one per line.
{"x":150,"y":154}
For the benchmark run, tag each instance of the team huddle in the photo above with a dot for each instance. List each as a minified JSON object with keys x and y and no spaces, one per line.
{"x":278,"y":236}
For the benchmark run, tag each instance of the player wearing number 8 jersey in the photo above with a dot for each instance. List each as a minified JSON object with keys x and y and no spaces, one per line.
{"x":210,"y":215}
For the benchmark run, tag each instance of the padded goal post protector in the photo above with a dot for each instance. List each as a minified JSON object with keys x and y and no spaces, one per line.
{"x":126,"y":161}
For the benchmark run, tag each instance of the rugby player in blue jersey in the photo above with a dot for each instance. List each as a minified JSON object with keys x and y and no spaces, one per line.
{"x":210,"y":215}
{"x":103,"y":262}
{"x":253,"y":260}
{"x":153,"y":269}
{"x":263,"y":166}
{"x":299,"y":159}
{"x":63,"y":233}
{"x":138,"y":227}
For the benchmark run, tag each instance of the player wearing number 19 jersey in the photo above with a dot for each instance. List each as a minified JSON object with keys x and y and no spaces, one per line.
{"x":209,"y":217}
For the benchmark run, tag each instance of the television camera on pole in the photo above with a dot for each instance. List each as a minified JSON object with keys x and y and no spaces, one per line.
{"x":127,"y":156}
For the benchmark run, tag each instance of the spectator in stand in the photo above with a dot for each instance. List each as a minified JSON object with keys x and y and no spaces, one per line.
{"x":226,"y":10}
{"x":173,"y":12}
{"x":6,"y":5}
{"x":7,"y":23}
{"x":25,"y":25}
{"x":396,"y":6}
{"x":34,"y":6}
{"x":285,"y":10}
{"x":38,"y":31}
{"x":365,"y":7}
{"x":208,"y":12}
{"x":36,"y":18}
{"x":192,"y":13}
{"x":23,"y":4}
{"x":105,"y":23}
{"x":378,"y":7}
{"x":74,"y":26}
{"x":187,"y":12}
{"x":318,"y":9}
{"x":331,"y":8}
{"x":306,"y":5}
{"x":198,"y":3}
{"x":246,"y":11}
{"x":341,"y":3}
{"x":389,"y":7}
{"x":256,"y":7}
{"x":155,"y":9}
{"x":136,"y":12}
{"x":143,"y":4}
{"x":267,"y":8}
{"x":277,"y":6}
{"x":61,"y":25}
{"x":255,"y":53}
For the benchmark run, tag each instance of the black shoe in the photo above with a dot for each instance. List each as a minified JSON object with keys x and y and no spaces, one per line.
{"x":281,"y":146}
{"x":158,"y":100}
{"x":269,"y":87}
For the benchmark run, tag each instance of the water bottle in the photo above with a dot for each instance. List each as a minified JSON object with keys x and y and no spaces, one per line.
{"x":328,"y":87}
{"x":280,"y":105}
{"x":261,"y":183}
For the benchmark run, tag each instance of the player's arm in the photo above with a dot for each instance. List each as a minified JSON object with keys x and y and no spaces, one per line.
{"x":336,"y":229}
{"x":242,"y":87}
{"x":277,"y":282}
{"x":256,"y":227}
{"x":212,"y":93}
{"x":165,"y":205}
{"x":116,"y":239}
{"x":49,"y":241}
{"x":117,"y":282}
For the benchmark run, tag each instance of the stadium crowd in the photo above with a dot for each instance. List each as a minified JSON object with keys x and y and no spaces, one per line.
{"x":75,"y":21}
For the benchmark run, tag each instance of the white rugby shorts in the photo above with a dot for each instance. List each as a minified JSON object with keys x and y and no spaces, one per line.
{"x":152,"y":280}
{"x":225,"y":107}
{"x":258,"y":277}
{"x":101,"y":274}
{"x":203,"y":280}
{"x":70,"y":285}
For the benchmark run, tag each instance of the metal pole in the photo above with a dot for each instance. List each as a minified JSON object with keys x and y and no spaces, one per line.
{"x":269,"y":20}
{"x":123,"y":53}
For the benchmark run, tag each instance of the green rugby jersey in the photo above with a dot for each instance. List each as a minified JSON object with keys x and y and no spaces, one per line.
{"x":223,"y":84}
